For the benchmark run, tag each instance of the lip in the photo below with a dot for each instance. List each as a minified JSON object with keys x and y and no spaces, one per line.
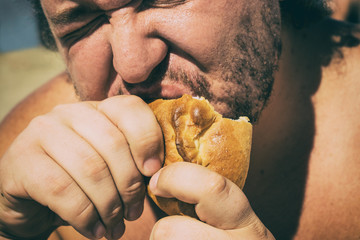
{"x":149,"y":91}
{"x":159,"y":91}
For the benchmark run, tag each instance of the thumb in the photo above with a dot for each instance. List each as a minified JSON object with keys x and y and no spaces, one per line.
{"x":183,"y":227}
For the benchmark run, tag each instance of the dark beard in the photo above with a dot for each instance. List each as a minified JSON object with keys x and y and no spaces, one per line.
{"x":247,"y":75}
{"x":304,"y":12}
{"x":258,"y":48}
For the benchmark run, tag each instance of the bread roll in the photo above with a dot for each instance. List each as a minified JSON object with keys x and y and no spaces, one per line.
{"x":194,"y":132}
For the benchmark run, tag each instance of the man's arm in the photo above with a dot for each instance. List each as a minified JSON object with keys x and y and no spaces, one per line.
{"x":48,"y":155}
{"x":36,"y":167}
{"x":59,"y":90}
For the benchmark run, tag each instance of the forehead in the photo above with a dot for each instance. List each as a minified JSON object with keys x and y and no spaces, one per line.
{"x":54,"y":7}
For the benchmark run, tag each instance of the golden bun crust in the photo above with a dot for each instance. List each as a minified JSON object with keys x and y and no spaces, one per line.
{"x":194,"y":132}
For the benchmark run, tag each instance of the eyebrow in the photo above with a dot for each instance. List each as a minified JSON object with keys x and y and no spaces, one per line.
{"x":69,"y":15}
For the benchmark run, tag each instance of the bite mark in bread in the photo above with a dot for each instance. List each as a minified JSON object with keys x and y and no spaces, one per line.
{"x":194,"y":132}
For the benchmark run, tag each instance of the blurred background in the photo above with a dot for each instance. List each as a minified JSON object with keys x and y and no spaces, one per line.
{"x":24,"y":64}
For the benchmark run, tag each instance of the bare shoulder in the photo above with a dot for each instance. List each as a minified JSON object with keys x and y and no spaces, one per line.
{"x":337,"y":102}
{"x":58,"y":90}
{"x":304,"y":176}
{"x":333,"y":184}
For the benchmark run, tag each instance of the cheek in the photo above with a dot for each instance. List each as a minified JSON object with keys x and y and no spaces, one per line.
{"x":90,"y":66}
{"x":203,"y":31}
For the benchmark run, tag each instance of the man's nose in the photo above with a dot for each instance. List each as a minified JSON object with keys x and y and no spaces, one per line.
{"x":137,"y":48}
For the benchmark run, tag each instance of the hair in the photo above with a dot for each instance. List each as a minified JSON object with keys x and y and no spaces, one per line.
{"x":46,"y":36}
{"x":300,"y":12}
{"x":304,"y":12}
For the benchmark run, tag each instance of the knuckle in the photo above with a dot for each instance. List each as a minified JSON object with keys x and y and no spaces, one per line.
{"x":71,"y":107}
{"x":62,"y":111}
{"x":218,"y":185}
{"x":133,"y":193}
{"x":41,"y":122}
{"x":113,"y":210}
{"x":60,"y":108}
{"x":94,"y":168}
{"x":83,"y":213}
{"x":65,"y":112}
{"x":124,"y":101}
{"x":114,"y":213}
{"x":131,"y":100}
{"x":150,"y":139}
{"x":78,"y":211}
{"x":115,"y":141}
{"x":84,"y":209}
{"x":110,"y":210}
{"x":60,"y":184}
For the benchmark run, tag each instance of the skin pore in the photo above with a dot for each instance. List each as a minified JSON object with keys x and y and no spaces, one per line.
{"x":225,"y":59}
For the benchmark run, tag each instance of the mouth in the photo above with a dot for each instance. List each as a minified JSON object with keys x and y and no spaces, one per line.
{"x":158,"y":91}
{"x":159,"y":85}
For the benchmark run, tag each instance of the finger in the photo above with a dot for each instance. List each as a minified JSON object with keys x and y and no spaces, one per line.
{"x":87,"y":168}
{"x":141,"y":129}
{"x":44,"y":181}
{"x":180,"y":227}
{"x":113,"y":148}
{"x":219,"y":202}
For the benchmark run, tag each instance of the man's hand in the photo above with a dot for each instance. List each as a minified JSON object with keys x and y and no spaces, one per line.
{"x":83,"y":165}
{"x":223,"y":209}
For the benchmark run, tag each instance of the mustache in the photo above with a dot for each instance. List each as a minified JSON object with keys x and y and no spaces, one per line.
{"x":157,"y":75}
{"x":197,"y":83}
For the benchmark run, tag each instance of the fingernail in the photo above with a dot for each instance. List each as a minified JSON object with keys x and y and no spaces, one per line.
{"x":134,"y":211}
{"x":151,"y":166}
{"x":99,"y":230}
{"x":118,"y":231}
{"x":153,"y":181}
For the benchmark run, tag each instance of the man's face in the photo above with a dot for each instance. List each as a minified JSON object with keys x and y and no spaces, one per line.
{"x":224,"y":50}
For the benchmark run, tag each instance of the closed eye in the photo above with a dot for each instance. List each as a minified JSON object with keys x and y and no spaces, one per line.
{"x":163,"y":3}
{"x":71,"y":38}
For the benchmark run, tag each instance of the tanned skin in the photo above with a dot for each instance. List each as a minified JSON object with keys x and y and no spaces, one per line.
{"x":304,"y":178}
